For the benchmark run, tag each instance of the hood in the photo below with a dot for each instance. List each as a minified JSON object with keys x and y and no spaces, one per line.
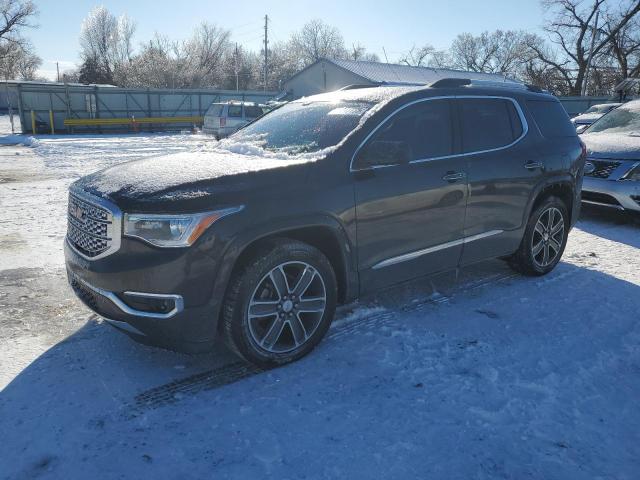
{"x":612,"y":145}
{"x":587,"y":118}
{"x":191,"y":178}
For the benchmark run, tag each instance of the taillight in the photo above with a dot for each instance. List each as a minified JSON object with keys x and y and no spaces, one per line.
{"x":223,"y":121}
{"x":584,"y":149}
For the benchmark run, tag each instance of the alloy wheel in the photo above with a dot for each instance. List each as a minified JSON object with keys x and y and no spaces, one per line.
{"x":548,"y":237}
{"x":286,"y":307}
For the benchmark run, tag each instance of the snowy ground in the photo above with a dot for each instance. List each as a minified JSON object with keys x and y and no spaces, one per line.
{"x":487,"y":375}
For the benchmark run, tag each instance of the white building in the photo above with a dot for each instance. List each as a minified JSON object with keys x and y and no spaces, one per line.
{"x":327,"y":75}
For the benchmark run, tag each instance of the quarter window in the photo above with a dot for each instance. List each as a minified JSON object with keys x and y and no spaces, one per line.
{"x":252,"y":111}
{"x":488,"y":123}
{"x":235,"y":110}
{"x":423,"y":129}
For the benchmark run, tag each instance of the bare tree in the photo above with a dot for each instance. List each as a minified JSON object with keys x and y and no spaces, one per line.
{"x":624,"y":47}
{"x":493,"y":52}
{"x":570,"y":28}
{"x":360,"y":54}
{"x":205,"y":53}
{"x":426,"y":56}
{"x":317,"y":40}
{"x":106,"y":45}
{"x":17,"y":58}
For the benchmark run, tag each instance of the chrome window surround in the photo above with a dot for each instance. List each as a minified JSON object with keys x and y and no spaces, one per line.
{"x":425,"y":251}
{"x":114,"y":230}
{"x":178,"y":301}
{"x":523,"y":120}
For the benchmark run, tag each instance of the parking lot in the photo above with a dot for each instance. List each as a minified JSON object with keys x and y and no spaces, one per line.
{"x":480,"y":373}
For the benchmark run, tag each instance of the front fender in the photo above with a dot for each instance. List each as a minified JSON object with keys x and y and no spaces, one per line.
{"x":237,"y":244}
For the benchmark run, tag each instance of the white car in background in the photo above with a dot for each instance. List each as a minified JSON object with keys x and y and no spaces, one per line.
{"x":593,"y":113}
{"x":612,"y":169}
{"x":223,"y":119}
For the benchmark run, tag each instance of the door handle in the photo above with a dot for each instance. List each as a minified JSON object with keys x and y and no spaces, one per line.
{"x":454,"y":176}
{"x":534,"y":165}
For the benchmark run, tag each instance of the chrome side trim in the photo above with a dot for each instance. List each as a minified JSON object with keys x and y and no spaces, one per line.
{"x":602,"y":204}
{"x":418,"y":253}
{"x":523,"y":120}
{"x":177,"y":299}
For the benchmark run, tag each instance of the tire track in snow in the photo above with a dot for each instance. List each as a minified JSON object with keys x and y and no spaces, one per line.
{"x":176,"y":390}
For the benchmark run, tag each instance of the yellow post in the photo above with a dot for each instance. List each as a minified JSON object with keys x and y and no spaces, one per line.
{"x":33,"y":122}
{"x":53,"y":128}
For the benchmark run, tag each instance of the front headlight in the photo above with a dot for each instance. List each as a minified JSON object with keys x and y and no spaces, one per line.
{"x":180,"y":230}
{"x":633,"y":174}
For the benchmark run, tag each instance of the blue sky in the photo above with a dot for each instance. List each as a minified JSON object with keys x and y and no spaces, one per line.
{"x":394,"y":25}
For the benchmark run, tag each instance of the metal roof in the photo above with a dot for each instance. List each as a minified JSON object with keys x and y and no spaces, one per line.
{"x":390,"y":73}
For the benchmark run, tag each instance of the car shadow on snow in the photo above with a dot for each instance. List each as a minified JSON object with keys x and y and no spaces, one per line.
{"x":438,"y":340}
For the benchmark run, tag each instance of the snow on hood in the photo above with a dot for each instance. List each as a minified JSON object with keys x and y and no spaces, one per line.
{"x":612,"y":145}
{"x":588,"y":117}
{"x":224,"y":159}
{"x":169,"y":172}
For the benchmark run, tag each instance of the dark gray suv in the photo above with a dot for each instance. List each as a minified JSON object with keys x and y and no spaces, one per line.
{"x":257,"y":238}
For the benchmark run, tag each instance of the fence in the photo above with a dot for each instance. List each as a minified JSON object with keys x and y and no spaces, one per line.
{"x":56,"y":108}
{"x":577,"y":105}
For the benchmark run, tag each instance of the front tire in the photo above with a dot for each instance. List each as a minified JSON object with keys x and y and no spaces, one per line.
{"x":544,"y":240}
{"x":280,"y":304}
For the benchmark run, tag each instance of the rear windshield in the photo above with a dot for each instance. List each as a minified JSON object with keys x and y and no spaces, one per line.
{"x":624,"y":119}
{"x":214,"y":110}
{"x":551,"y":118}
{"x":303,"y":127}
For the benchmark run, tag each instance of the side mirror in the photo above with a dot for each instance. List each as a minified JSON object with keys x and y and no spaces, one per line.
{"x":383,"y":153}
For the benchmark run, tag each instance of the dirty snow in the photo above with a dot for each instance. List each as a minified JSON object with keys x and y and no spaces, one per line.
{"x":482,"y":375}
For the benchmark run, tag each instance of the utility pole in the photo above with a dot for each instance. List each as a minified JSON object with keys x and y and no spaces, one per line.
{"x":237,"y":68}
{"x":58,"y":72}
{"x":594,"y":32}
{"x":266,"y":45}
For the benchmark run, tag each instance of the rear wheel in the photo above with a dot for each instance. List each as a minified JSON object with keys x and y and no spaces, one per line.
{"x":280,"y":305}
{"x":544,"y":240}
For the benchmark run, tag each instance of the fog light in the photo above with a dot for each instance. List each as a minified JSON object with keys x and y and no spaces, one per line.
{"x":149,"y":303}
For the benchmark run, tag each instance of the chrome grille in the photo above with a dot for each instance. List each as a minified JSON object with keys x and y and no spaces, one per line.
{"x":603,"y":169}
{"x":93,"y":226}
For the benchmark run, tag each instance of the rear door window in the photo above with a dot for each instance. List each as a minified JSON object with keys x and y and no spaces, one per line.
{"x":235,"y":111}
{"x":488,"y":123}
{"x":551,"y":118}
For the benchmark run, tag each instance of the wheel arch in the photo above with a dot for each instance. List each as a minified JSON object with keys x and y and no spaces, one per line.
{"x":561,"y":187}
{"x":323,"y":232}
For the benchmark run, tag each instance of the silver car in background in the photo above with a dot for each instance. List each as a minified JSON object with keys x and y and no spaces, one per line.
{"x":612,"y":169}
{"x":223,"y":119}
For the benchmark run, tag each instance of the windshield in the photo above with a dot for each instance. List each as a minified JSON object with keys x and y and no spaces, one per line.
{"x":598,"y":109}
{"x":624,"y":119}
{"x":301,"y":127}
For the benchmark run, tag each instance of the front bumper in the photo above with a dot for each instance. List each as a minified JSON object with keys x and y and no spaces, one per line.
{"x":109,"y":287}
{"x":616,"y":194}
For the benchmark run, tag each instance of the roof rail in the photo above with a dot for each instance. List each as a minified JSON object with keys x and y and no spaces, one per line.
{"x":451,"y":83}
{"x":462,"y":82}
